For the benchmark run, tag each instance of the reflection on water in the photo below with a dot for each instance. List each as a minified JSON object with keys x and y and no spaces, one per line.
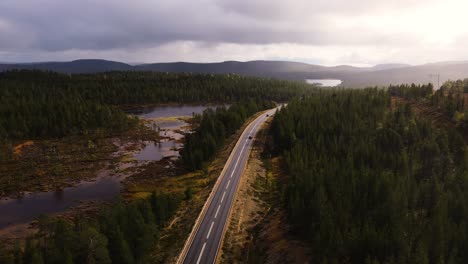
{"x":106,"y":186}
{"x":171,"y":129}
{"x":324,"y":82}
{"x":34,"y":204}
{"x":158,"y":150}
{"x":170,"y":111}
{"x":171,"y":132}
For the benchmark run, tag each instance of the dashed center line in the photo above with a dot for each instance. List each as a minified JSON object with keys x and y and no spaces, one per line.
{"x":217,"y":210}
{"x":222,"y":198}
{"x":224,"y":193}
{"x":238,"y":158}
{"x":201,"y":253}
{"x":209,"y":231}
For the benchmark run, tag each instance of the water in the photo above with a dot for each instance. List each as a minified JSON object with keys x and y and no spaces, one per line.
{"x":105,"y":186}
{"x":170,"y":111}
{"x":324,"y":82}
{"x":13,"y":211}
{"x":154,"y":151}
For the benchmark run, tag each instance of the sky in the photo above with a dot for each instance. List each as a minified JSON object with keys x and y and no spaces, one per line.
{"x":327,"y":32}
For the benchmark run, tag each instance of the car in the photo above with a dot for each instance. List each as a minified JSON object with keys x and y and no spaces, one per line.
{"x":268,"y":115}
{"x":250,"y":137}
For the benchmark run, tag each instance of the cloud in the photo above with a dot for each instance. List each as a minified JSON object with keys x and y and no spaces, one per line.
{"x":357,"y":31}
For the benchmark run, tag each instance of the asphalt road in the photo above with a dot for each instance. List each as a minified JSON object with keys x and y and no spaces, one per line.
{"x":203,"y":245}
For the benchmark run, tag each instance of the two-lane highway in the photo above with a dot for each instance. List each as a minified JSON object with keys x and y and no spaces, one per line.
{"x":204,"y":242}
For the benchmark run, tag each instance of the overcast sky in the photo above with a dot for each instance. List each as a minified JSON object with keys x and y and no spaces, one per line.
{"x":330,"y":32}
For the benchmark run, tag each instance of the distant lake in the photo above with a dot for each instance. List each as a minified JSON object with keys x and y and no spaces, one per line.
{"x":324,"y":82}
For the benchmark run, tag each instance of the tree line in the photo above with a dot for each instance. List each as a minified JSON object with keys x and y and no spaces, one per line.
{"x":371,"y":184}
{"x":123,"y":233}
{"x":212,"y":127}
{"x":412,"y":91}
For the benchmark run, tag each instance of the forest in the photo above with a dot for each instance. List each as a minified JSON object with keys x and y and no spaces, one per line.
{"x":123,"y":233}
{"x":36,"y":104}
{"x":371,"y":182}
{"x":212,"y":127}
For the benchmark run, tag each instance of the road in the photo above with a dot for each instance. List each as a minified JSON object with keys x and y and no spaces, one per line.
{"x":204,"y":242}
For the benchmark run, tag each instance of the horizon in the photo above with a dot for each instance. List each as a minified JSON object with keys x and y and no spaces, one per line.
{"x":338,"y":32}
{"x":213,"y":62}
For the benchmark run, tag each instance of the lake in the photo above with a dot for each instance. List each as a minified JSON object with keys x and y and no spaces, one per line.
{"x":324,"y":82}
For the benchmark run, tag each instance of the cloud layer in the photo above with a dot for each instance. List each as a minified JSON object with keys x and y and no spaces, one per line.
{"x":318,"y":31}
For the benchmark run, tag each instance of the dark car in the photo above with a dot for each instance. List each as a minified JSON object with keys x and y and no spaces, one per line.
{"x":250,"y":137}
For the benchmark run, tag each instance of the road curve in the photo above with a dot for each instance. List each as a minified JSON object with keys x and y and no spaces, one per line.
{"x":204,"y":242}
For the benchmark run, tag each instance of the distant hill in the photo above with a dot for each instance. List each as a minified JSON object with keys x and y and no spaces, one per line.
{"x":262,"y":68}
{"x":388,"y":66}
{"x":382,"y":74}
{"x":414,"y":74}
{"x":77,"y":66}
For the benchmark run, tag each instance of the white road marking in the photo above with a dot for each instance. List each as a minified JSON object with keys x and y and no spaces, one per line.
{"x":217,"y":210}
{"x":209,"y":231}
{"x":227,"y":186}
{"x":237,"y":162}
{"x":222,"y":198}
{"x":201,"y":253}
{"x":242,"y":150}
{"x":219,"y":206}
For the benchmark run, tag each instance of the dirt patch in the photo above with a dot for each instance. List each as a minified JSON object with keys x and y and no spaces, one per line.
{"x":17,"y":150}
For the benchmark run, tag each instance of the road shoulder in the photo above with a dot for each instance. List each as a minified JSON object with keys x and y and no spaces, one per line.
{"x":257,"y":231}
